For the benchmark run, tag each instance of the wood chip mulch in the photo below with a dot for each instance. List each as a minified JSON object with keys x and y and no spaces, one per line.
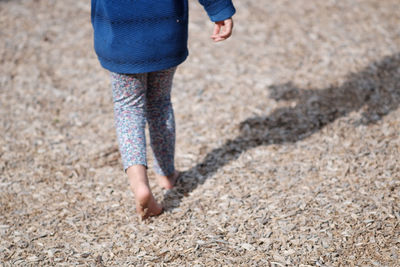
{"x":287,"y":137}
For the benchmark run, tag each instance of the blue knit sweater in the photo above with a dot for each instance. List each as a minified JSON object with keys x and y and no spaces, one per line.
{"x":136,"y":36}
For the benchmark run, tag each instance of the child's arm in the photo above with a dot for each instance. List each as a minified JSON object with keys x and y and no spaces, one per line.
{"x":220,"y":12}
{"x":222,"y":30}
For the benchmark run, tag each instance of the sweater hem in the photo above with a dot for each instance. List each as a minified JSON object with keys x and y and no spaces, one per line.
{"x":134,"y":68}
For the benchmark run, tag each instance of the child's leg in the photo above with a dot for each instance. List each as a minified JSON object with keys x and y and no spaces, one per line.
{"x":129,"y":96}
{"x":160,"y":116}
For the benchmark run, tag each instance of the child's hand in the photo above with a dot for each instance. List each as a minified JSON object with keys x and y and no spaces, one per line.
{"x":222,"y":30}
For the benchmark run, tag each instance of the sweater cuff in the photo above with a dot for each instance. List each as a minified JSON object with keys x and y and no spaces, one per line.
{"x":220,"y":10}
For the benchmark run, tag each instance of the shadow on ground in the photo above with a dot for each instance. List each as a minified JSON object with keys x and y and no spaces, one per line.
{"x":375,"y":92}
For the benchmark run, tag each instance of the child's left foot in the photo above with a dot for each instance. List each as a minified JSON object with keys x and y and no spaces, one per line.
{"x":168,"y":182}
{"x":146,"y":204}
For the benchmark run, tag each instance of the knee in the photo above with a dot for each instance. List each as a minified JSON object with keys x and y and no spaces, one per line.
{"x":130,"y":102}
{"x":161,"y":103}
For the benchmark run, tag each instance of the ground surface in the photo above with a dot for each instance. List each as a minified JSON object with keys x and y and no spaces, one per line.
{"x":288,"y":136}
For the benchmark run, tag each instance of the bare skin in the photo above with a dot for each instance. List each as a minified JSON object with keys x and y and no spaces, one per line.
{"x":146,"y":204}
{"x":222,"y":30}
{"x":168,"y":182}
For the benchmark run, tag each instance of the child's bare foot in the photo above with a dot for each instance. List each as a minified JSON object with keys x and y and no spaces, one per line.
{"x":168,"y":182}
{"x":146,"y":205}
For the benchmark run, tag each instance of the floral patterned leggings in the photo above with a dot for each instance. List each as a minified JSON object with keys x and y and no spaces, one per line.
{"x":141,"y":97}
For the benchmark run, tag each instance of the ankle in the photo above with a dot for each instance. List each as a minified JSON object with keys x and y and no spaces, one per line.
{"x":167,"y":182}
{"x":137,"y":174}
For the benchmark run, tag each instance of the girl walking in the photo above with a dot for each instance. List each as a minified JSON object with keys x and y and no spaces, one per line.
{"x":141,"y":42}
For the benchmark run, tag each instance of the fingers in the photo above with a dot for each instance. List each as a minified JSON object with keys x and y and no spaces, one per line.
{"x":222,"y":30}
{"x":227,"y":32}
{"x":217,"y":29}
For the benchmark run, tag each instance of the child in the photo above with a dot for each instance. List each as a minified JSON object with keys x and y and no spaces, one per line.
{"x":141,"y":42}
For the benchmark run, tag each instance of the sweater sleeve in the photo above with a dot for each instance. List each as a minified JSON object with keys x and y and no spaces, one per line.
{"x":218,"y":10}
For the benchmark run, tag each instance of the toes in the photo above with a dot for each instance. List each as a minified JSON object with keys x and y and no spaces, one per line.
{"x":156,"y":211}
{"x":147,"y":212}
{"x":148,"y":209}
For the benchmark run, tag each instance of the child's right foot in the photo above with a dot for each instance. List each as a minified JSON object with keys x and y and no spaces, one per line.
{"x":168,"y":182}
